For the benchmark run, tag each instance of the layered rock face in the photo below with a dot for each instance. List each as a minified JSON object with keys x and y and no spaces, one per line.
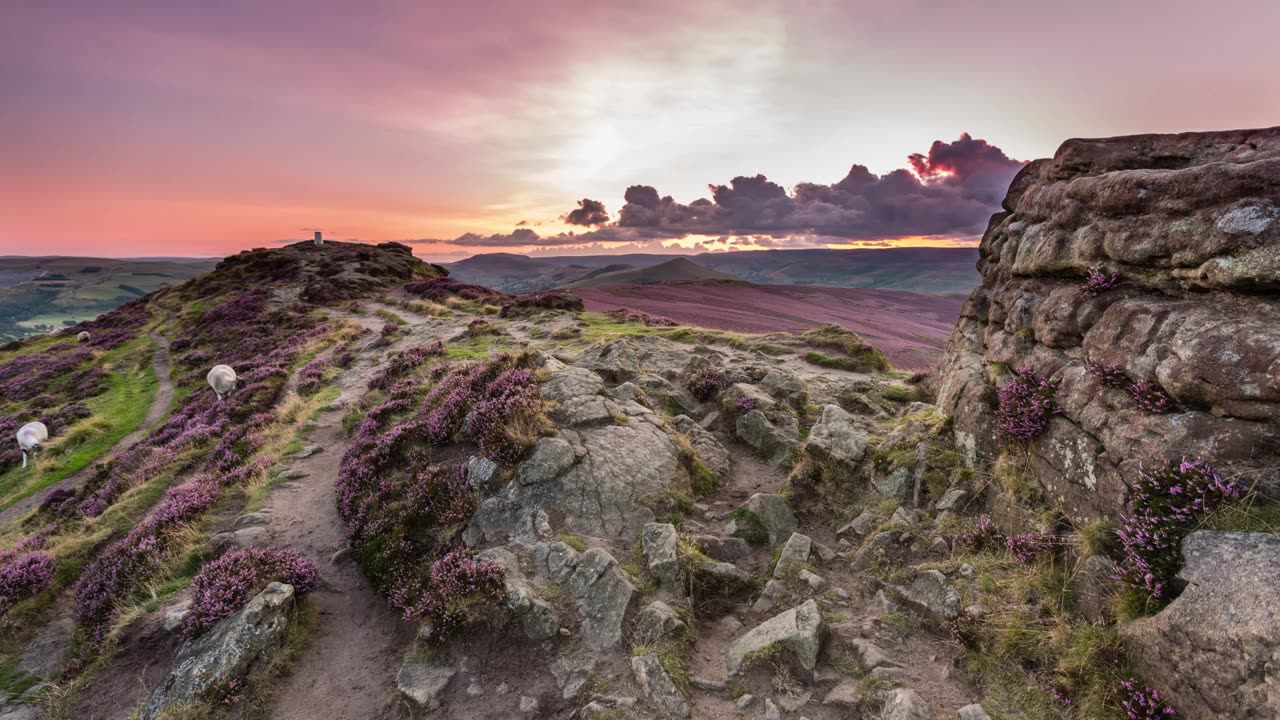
{"x":1191,"y":223}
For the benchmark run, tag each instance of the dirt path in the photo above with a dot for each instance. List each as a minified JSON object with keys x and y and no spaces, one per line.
{"x":160,"y":363}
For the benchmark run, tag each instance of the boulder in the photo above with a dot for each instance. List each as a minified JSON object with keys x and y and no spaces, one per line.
{"x":233,"y":648}
{"x":836,"y":438}
{"x":658,"y":686}
{"x":973,"y":712}
{"x":1191,"y":222}
{"x":604,"y":593}
{"x":773,"y":440}
{"x":570,"y":383}
{"x":774,"y":513}
{"x":932,"y":594}
{"x":785,"y":387}
{"x":657,"y":622}
{"x":658,"y":542}
{"x":795,"y":553}
{"x":709,"y":450}
{"x":616,"y":360}
{"x":796,"y":634}
{"x":551,"y":456}
{"x":482,"y":473}
{"x":424,"y":683}
{"x":1213,"y":650}
{"x":537,"y":618}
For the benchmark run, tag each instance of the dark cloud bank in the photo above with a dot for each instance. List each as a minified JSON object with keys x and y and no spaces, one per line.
{"x":951,"y":191}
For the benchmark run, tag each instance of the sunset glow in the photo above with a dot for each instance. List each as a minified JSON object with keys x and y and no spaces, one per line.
{"x":141,"y":127}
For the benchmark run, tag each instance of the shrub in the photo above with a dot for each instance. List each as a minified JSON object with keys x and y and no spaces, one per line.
{"x":549,"y":300}
{"x":861,"y":356}
{"x":1099,"y":282}
{"x":441,"y":289}
{"x":746,"y":404}
{"x":1026,"y":547}
{"x":639,"y":316}
{"x":1026,"y":404}
{"x":480,"y":327}
{"x":23,"y":574}
{"x":227,"y":584}
{"x":311,"y":376}
{"x":1109,"y":375}
{"x":1152,"y":398}
{"x":1168,"y":503}
{"x":455,"y":592}
{"x":984,"y":535}
{"x":706,"y":383}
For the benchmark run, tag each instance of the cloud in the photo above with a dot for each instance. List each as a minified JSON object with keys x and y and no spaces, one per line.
{"x":524,"y":237}
{"x":590,"y":212}
{"x":950,"y":191}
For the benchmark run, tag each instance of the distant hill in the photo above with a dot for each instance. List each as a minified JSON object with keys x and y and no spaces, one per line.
{"x":931,"y":270}
{"x":675,"y":270}
{"x":40,"y":294}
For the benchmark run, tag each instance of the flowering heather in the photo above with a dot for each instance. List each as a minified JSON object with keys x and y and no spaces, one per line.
{"x":1143,"y":703}
{"x":311,"y":376}
{"x":1026,"y":404}
{"x":983,"y":535}
{"x":405,"y":361}
{"x":441,"y":289}
{"x":746,"y":404}
{"x":23,"y":574}
{"x":549,"y":300}
{"x":227,"y":584}
{"x":1099,"y":282}
{"x":448,"y":597}
{"x":639,"y":316}
{"x":1152,"y":398}
{"x":227,"y":692}
{"x":706,"y":383}
{"x":1109,"y":375}
{"x":49,"y":371}
{"x":1168,"y":503}
{"x":1028,"y":546}
{"x":116,"y":327}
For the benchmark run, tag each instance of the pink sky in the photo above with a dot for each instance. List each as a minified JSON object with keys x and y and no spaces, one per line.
{"x":163,"y":128}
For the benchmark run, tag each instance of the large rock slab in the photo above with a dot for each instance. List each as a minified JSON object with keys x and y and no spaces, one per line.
{"x":932,"y":594}
{"x":796,"y":634}
{"x":1213,"y":652}
{"x":774,"y":513}
{"x":773,"y":439}
{"x":1191,"y":222}
{"x":424,"y":683}
{"x":658,"y":686}
{"x":233,"y":648}
{"x":905,"y":704}
{"x":658,"y":541}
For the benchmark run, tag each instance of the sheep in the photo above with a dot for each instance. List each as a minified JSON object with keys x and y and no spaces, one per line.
{"x":29,"y":438}
{"x":83,"y":336}
{"x":223,"y":380}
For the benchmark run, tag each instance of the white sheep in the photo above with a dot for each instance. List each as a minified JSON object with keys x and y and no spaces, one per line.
{"x":223,"y":380}
{"x":29,"y":438}
{"x":83,"y":336}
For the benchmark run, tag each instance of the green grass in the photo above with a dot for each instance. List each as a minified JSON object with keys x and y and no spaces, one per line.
{"x":389,"y":316}
{"x":899,"y":393}
{"x":577,"y":542}
{"x":117,"y":412}
{"x":14,"y":681}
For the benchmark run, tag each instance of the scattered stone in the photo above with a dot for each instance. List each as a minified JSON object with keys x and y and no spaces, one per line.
{"x":873,"y":548}
{"x":308,"y":451}
{"x":952,"y":499}
{"x":794,"y":553}
{"x":482,"y":473}
{"x":656,"y":622}
{"x":604,"y":593}
{"x":824,"y":553}
{"x":939,"y":546}
{"x":341,"y":556}
{"x":785,"y":387}
{"x":774,"y":441}
{"x":232,"y":648}
{"x":658,"y":686}
{"x":798,"y":632}
{"x":846,"y":694}
{"x":658,"y":541}
{"x":294,"y":474}
{"x":973,"y":712}
{"x":474,"y":689}
{"x":932,"y":594}
{"x":251,"y":519}
{"x":572,"y":673}
{"x":775,"y":514}
{"x":812,"y":579}
{"x":744,"y":701}
{"x":870,"y":656}
{"x":503,"y":689}
{"x":725,"y":549}
{"x":707,"y":684}
{"x":551,"y":456}
{"x":537,"y":618}
{"x":905,"y":704}
{"x":968,"y":571}
{"x":176,"y":616}
{"x":771,"y":711}
{"x":860,"y":526}
{"x":528,"y":705}
{"x":836,"y":438}
{"x":903,"y":516}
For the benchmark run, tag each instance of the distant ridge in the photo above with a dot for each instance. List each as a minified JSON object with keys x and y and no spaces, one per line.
{"x":674,"y":270}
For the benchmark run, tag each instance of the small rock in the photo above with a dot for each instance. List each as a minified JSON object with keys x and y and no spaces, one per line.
{"x":251,"y":519}
{"x":824,"y":553}
{"x":658,"y":540}
{"x":423,"y":683}
{"x":870,"y":656}
{"x":176,"y":616}
{"x":744,"y":702}
{"x":846,"y":694}
{"x":655,"y":623}
{"x":932,"y":594}
{"x":973,"y":712}
{"x":474,"y":690}
{"x":939,"y":546}
{"x":658,"y":686}
{"x":967,"y":571}
{"x":308,"y":451}
{"x":814,"y":581}
{"x":340,"y":557}
{"x":528,"y":705}
{"x":952,"y":499}
{"x":775,"y":514}
{"x":798,"y":632}
{"x":905,"y":704}
{"x":771,"y":711}
{"x":707,"y":684}
{"x":503,"y":689}
{"x":294,"y":474}
{"x":859,"y":526}
{"x":794,"y":552}
{"x":481,"y":472}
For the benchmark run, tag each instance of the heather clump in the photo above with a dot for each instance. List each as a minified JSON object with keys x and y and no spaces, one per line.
{"x":1026,"y":404}
{"x":1142,"y":703}
{"x":1151,"y":398}
{"x":746,"y":404}
{"x":311,"y":376}
{"x":706,"y":383}
{"x":227,"y":584}
{"x":404,"y":362}
{"x":1098,"y":282}
{"x":1109,"y":375}
{"x":441,"y":289}
{"x":23,"y":574}
{"x":549,"y":300}
{"x":1169,"y":501}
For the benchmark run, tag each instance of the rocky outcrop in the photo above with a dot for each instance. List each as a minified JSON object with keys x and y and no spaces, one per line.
{"x":231,"y":649}
{"x":795,"y":635}
{"x":1191,"y":223}
{"x":1213,"y":651}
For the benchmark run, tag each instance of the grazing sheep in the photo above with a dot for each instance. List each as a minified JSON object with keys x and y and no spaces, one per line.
{"x":83,"y":336}
{"x":29,"y":438}
{"x":223,"y":380}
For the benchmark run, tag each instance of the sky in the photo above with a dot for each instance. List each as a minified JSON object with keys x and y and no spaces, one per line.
{"x":163,"y":128}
